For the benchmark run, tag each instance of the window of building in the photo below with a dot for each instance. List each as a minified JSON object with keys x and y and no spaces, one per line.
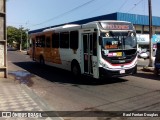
{"x":64,"y":40}
{"x":157,"y":32}
{"x":74,"y":39}
{"x":55,"y":40}
{"x":145,"y":32}
{"x":138,"y":31}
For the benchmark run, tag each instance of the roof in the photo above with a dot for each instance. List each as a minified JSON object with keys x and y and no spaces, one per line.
{"x":138,"y":19}
{"x":133,"y":18}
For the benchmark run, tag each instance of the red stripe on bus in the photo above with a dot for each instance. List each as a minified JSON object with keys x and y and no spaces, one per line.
{"x":120,"y":64}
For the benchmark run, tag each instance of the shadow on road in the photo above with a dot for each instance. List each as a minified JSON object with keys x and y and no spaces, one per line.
{"x":62,"y":76}
{"x":148,"y":75}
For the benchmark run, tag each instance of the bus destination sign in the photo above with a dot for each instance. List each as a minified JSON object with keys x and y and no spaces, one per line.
{"x":116,"y":26}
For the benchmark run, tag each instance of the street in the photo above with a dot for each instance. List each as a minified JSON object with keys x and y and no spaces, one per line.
{"x":63,"y":92}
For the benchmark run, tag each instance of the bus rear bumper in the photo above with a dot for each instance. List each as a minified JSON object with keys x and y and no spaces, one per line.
{"x":108,"y":73}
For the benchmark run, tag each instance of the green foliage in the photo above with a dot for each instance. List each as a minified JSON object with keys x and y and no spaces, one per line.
{"x":14,"y":36}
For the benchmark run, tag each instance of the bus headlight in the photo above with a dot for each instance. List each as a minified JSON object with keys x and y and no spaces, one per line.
{"x":103,"y":64}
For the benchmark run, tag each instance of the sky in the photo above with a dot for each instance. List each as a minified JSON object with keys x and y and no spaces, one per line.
{"x":36,"y":14}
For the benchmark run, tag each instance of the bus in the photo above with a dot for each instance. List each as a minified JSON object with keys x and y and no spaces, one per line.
{"x":97,"y":49}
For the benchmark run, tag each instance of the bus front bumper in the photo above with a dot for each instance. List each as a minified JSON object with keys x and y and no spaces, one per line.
{"x":108,"y":73}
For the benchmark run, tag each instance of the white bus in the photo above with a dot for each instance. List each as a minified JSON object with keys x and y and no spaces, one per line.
{"x":98,"y":49}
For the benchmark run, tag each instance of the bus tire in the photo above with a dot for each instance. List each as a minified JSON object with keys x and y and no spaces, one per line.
{"x":41,"y":60}
{"x":75,"y":68}
{"x":135,"y":70}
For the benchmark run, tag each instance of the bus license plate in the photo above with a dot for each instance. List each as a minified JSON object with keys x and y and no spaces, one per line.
{"x":122,"y":71}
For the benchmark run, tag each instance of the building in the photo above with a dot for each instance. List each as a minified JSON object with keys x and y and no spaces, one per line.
{"x":3,"y":40}
{"x":141,"y":22}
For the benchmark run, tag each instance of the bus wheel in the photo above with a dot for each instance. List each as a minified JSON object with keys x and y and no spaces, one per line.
{"x":135,"y":70}
{"x":41,"y":60}
{"x":76,"y":70}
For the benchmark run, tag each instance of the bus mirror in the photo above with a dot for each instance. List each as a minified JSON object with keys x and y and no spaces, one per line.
{"x":100,"y":40}
{"x":105,"y":52}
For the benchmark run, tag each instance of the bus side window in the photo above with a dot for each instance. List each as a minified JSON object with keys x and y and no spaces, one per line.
{"x":64,"y":40}
{"x":74,"y":39}
{"x":48,"y":42}
{"x":37,"y":41}
{"x":95,"y":44}
{"x":40,"y":41}
{"x":55,"y":40}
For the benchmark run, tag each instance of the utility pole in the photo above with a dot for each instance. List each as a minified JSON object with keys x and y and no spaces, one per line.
{"x":21,"y":39}
{"x":27,"y":35}
{"x":150,"y":35}
{"x":27,"y":39}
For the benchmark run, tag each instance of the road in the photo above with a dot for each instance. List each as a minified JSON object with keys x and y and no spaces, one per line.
{"x":65,"y":93}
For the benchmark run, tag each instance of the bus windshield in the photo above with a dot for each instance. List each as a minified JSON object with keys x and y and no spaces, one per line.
{"x":119,"y":40}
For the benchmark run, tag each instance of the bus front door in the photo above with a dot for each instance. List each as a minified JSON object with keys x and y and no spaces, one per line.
{"x":89,"y":56}
{"x":87,"y":41}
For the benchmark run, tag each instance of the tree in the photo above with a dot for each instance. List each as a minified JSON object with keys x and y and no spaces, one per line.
{"x":14,"y":36}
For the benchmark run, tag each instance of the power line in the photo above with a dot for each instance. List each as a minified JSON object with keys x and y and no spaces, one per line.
{"x":65,"y":13}
{"x":122,"y":5}
{"x":135,"y":5}
{"x":97,"y":9}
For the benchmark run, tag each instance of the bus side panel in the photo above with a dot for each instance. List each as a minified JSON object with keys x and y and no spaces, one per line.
{"x":38,"y":52}
{"x":67,"y":55}
{"x":47,"y":54}
{"x":55,"y":56}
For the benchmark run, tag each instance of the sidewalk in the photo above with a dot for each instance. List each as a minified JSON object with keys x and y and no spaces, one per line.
{"x":145,"y":68}
{"x":18,"y":97}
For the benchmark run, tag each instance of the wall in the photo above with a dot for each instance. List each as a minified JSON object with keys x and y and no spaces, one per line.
{"x":3,"y":41}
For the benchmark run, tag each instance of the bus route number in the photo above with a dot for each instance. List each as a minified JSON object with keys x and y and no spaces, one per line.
{"x":119,"y":54}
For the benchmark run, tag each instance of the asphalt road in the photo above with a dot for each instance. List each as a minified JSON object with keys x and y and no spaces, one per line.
{"x":63,"y":92}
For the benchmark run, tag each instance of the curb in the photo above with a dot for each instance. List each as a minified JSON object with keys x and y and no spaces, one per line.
{"x":148,"y":69}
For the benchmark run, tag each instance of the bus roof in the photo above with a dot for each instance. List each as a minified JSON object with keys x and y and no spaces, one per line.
{"x":77,"y":26}
{"x":63,"y":27}
{"x":107,"y":21}
{"x":110,"y":25}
